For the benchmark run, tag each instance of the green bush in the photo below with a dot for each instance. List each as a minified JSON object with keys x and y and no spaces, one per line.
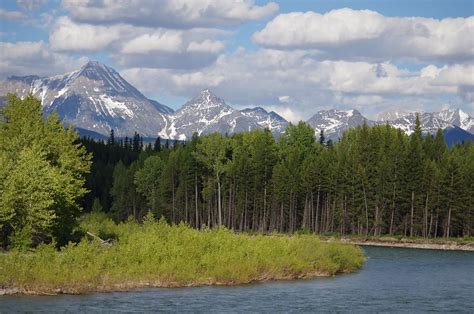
{"x":158,"y":254}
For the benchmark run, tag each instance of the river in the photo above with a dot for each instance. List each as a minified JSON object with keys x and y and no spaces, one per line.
{"x":392,"y":280}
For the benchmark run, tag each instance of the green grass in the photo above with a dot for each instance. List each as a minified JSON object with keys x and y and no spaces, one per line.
{"x":157,"y":254}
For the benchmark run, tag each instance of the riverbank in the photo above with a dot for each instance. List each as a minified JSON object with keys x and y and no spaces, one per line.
{"x":156,"y":254}
{"x":414,"y":243}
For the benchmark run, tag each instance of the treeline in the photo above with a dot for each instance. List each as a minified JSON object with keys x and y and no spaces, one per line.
{"x":374,"y":181}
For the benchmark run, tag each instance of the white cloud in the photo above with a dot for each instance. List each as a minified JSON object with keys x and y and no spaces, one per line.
{"x":212,"y":46}
{"x":168,"y":13}
{"x":296,"y":85}
{"x":12,"y":15}
{"x":169,"y":41}
{"x":132,"y":46}
{"x":67,"y":35}
{"x":30,"y":4}
{"x":289,"y":113}
{"x":27,"y":58}
{"x":367,"y":35}
{"x":284,"y":99}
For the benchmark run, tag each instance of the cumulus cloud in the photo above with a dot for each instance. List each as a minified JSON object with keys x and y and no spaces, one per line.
{"x":168,"y":13}
{"x":368,"y":35}
{"x":27,"y":58}
{"x":67,"y":35}
{"x":133,"y":46}
{"x":284,"y":99}
{"x":212,"y":46}
{"x":12,"y":15}
{"x":306,"y":62}
{"x":295,"y":81}
{"x":30,"y":4}
{"x":169,"y":41}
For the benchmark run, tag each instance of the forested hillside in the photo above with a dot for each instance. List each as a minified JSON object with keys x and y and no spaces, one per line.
{"x":374,"y":181}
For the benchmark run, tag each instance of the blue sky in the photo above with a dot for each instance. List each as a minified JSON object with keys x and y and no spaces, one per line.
{"x":294,"y":57}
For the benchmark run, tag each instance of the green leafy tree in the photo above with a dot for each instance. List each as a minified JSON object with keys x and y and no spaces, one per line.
{"x":42,"y":177}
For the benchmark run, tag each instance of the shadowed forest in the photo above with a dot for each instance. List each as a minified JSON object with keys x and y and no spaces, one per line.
{"x":374,"y":181}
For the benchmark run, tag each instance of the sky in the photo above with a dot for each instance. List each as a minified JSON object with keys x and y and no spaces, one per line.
{"x":294,"y":57}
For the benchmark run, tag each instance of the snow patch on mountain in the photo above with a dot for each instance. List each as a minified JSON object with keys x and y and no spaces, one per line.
{"x":334,"y":122}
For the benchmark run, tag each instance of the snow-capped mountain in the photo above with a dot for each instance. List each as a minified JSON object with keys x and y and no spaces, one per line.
{"x":269,"y":120}
{"x":94,"y":98}
{"x":458,"y":118}
{"x":334,"y":122}
{"x":430,"y":120}
{"x":391,"y":115}
{"x":430,"y":123}
{"x":206,"y":113}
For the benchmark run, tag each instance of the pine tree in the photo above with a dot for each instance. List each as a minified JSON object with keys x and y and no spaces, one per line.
{"x":111,"y":140}
{"x":157,"y":145}
{"x":322,"y":139}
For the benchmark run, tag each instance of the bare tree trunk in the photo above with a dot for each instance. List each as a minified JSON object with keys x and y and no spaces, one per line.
{"x":431,"y":224}
{"x":333,"y":213}
{"x":186,"y":202}
{"x":305,"y":211}
{"x":229,"y":211}
{"x":376,"y":229}
{"x":412,"y":212}
{"x":316,"y":222}
{"x":343,"y":228}
{"x":264,"y":225}
{"x":391,"y":222}
{"x":291,"y":212}
{"x":245,"y":210}
{"x":448,"y":224}
{"x":425,"y":218}
{"x":366,"y":212}
{"x":219,"y":208}
{"x":174,"y":204}
{"x":311,"y":223}
{"x":196,"y":199}
{"x":281,"y":217}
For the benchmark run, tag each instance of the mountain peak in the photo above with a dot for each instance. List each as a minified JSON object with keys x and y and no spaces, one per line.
{"x":206,"y":94}
{"x":256,"y":110}
{"x":205,"y":99}
{"x":93,"y":64}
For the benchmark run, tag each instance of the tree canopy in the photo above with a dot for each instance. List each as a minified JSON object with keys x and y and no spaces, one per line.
{"x":41,"y":175}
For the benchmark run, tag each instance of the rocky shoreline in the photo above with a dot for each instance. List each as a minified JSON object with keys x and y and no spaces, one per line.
{"x":407,"y":243}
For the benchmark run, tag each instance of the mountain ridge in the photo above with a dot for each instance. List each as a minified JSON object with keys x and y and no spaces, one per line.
{"x":96,"y":98}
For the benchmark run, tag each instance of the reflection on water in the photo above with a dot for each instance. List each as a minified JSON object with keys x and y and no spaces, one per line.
{"x":393,"y":279}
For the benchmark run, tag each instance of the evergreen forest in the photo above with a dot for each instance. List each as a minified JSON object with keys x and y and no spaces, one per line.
{"x":374,"y":181}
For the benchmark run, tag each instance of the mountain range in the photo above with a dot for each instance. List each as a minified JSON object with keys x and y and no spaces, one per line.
{"x":96,"y":99}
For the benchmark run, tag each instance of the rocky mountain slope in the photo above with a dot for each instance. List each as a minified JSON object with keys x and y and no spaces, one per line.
{"x":96,"y":99}
{"x":334,"y":122}
{"x":206,"y":113}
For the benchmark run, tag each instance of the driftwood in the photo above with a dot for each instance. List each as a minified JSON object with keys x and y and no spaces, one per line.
{"x":103,"y":242}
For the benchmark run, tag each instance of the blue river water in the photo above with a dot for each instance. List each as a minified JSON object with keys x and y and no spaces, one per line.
{"x":392,"y":280}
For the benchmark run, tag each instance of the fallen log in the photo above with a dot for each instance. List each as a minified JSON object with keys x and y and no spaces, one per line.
{"x":107,"y":242}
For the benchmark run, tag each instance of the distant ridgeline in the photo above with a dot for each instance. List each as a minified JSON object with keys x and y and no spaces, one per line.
{"x":96,"y":98}
{"x":375,"y":180}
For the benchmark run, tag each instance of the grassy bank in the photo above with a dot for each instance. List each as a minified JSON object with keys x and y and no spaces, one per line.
{"x":157,"y":254}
